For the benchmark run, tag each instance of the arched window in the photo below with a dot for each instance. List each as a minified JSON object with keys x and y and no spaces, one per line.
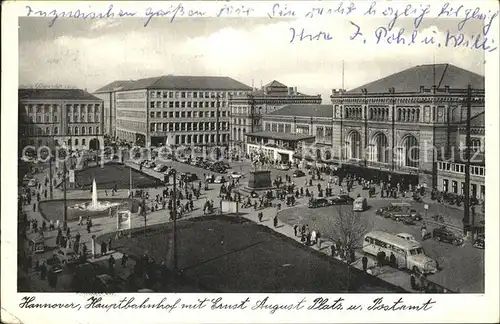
{"x":399,"y":115}
{"x":371,"y":113}
{"x":76,"y":141}
{"x":76,"y":130}
{"x":417,"y":115}
{"x":380,"y":151}
{"x":47,"y":131}
{"x":90,"y":130}
{"x":97,"y":129}
{"x":83,"y":130}
{"x":56,"y":130}
{"x":354,"y":145}
{"x":411,"y":150}
{"x":83,"y":141}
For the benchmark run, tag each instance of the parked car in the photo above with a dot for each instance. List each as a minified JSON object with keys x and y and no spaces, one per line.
{"x":54,"y":264}
{"x":342,"y":200}
{"x":446,"y":235}
{"x":219,"y":179}
{"x":283,"y":167}
{"x":236,"y":175}
{"x":407,"y":237}
{"x":298,"y":173}
{"x":160,"y":168}
{"x":188,"y":177}
{"x":68,"y":257}
{"x":407,"y":220}
{"x":320,"y":202}
{"x":479,"y":242}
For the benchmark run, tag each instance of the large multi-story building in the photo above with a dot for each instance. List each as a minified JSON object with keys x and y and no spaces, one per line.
{"x":108,"y":95}
{"x":288,"y":132}
{"x":174,"y":110}
{"x":403,"y":124}
{"x":60,"y":117}
{"x":247,"y":109}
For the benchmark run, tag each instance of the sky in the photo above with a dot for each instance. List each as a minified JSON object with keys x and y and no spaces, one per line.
{"x":90,"y":54}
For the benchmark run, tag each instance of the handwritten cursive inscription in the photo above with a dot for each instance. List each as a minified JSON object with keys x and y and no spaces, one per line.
{"x":301,"y":35}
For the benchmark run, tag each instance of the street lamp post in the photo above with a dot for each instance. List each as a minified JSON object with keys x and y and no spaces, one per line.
{"x":217,"y":127}
{"x":174,"y":216}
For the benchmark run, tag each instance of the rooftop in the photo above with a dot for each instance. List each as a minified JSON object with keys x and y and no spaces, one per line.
{"x":175,"y":82}
{"x":311,"y":110}
{"x":113,"y":86}
{"x":281,"y":136}
{"x":55,"y":94}
{"x":428,"y":75}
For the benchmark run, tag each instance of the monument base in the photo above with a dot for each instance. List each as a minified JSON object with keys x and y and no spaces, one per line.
{"x":259,"y":179}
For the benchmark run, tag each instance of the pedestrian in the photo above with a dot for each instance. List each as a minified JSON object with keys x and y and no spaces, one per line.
{"x":103,"y":248}
{"x":392,"y":260}
{"x":43,"y":270}
{"x":260,"y":215}
{"x":124,"y":260}
{"x":318,"y":239}
{"x":364,"y":261}
{"x":109,"y":244}
{"x":111,"y":262}
{"x":413,"y":282}
{"x":295,"y":229}
{"x":275,"y":221}
{"x":34,"y":207}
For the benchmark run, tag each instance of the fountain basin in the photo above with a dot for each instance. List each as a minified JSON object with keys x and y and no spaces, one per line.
{"x":54,"y":209}
{"x":94,"y":206}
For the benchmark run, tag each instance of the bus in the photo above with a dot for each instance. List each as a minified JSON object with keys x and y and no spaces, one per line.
{"x":360,"y":204}
{"x":409,"y":254}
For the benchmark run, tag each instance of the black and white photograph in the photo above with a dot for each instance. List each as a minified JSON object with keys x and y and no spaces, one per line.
{"x":302,"y":151}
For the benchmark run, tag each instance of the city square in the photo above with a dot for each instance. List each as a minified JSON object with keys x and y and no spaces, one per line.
{"x":176,"y":182}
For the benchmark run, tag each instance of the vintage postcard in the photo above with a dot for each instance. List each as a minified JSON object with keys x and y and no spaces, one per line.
{"x":235,"y":161}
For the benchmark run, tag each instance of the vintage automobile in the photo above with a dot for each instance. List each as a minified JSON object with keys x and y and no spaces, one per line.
{"x":283,"y":167}
{"x":479,"y":242}
{"x":235,"y":175}
{"x":298,"y":173}
{"x":446,"y":235}
{"x":320,"y":202}
{"x":342,"y":200}
{"x":407,"y":237}
{"x":54,"y":264}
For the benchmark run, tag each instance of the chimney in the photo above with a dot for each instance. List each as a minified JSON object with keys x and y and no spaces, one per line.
{"x":294,"y":90}
{"x":421,"y":88}
{"x":290,"y":90}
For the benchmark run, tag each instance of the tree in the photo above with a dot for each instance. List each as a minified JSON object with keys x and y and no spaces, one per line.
{"x":348,"y":228}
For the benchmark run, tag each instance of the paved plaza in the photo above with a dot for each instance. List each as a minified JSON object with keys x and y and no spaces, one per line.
{"x":469,"y":260}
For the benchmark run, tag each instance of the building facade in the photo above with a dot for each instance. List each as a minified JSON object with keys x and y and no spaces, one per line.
{"x":402,"y":125}
{"x":175,"y":110}
{"x":248,"y":109}
{"x":292,"y":131}
{"x":60,"y":117}
{"x":108,"y":95}
{"x":451,"y":172}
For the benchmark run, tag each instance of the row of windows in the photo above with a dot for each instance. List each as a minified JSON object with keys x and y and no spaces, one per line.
{"x":200,"y":126}
{"x":76,"y":130}
{"x":454,"y":188}
{"x":185,"y":104}
{"x":460,"y":168}
{"x":129,"y":124}
{"x":185,"y":114}
{"x":200,"y":138}
{"x":82,"y":118}
{"x":55,"y":108}
{"x":131,"y":95}
{"x":324,"y":134}
{"x":40,"y":119}
{"x":38,"y":131}
{"x":131,"y":114}
{"x":192,"y":94}
{"x":131,"y":104}
{"x":374,"y":241}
